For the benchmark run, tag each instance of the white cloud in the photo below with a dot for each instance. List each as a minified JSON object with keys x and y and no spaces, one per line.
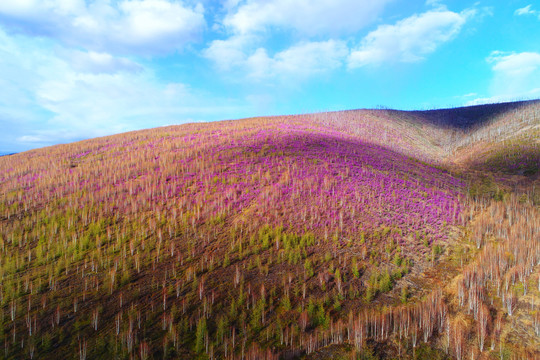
{"x":138,"y":26}
{"x":31,"y":139}
{"x":524,"y":10}
{"x":516,"y":76}
{"x":46,"y":97}
{"x":229,"y":53}
{"x":97,"y":62}
{"x":301,"y":60}
{"x":32,"y":9}
{"x":120,"y":102}
{"x":409,"y":40}
{"x":308,"y":17}
{"x":527,"y":10}
{"x":515,"y":65}
{"x":295,"y":63}
{"x":251,"y":23}
{"x":531,"y":95}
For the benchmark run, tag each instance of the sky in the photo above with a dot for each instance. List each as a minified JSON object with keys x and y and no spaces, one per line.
{"x":78,"y":69}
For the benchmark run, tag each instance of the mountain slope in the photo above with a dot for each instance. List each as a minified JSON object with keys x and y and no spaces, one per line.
{"x":264,"y":237}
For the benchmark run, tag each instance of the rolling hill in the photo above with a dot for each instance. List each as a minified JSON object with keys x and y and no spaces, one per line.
{"x":360,"y":234}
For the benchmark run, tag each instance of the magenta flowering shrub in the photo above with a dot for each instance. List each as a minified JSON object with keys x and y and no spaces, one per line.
{"x":299,"y":175}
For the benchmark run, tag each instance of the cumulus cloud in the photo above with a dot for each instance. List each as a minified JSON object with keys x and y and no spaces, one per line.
{"x":139,"y":26}
{"x":250,"y":23}
{"x":297,"y":62}
{"x":515,"y":64}
{"x":516,"y":76}
{"x":46,"y":97}
{"x":409,"y":40}
{"x":308,"y":17}
{"x":228,"y":53}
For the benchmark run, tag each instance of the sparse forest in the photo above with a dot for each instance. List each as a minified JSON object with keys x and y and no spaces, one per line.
{"x":363,"y":234}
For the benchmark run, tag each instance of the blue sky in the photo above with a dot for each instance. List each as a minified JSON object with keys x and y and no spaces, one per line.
{"x":76,"y":69}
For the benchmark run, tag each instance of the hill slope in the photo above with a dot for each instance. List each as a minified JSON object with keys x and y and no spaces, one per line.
{"x":270,"y":237}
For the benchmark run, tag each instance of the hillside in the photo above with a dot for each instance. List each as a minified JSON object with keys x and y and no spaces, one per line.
{"x":376,"y":233}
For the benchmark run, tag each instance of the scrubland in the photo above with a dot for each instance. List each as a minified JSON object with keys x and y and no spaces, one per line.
{"x":358,"y":234}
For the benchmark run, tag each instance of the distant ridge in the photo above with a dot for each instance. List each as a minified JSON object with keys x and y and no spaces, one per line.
{"x":468,"y":117}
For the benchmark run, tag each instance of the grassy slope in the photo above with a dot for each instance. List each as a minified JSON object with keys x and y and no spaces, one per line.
{"x":237,"y":237}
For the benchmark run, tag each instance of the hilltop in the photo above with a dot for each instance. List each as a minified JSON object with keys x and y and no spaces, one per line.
{"x":410,"y":234}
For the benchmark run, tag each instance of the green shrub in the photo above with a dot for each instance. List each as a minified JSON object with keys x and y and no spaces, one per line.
{"x":200,"y":332}
{"x":404,"y":294}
